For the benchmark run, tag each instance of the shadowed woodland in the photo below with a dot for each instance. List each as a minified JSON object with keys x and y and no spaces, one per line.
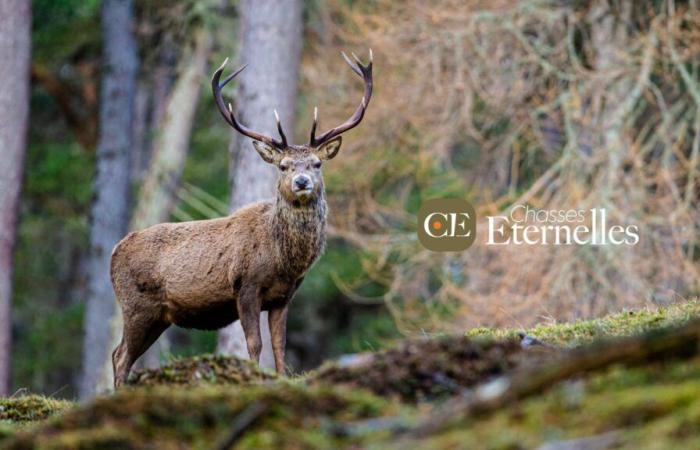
{"x":553,"y":104}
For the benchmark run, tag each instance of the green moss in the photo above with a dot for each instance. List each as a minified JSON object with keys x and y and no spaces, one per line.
{"x":29,"y":408}
{"x":295,"y":416}
{"x":19,"y":412}
{"x":649,"y":406}
{"x":204,"y":369}
{"x":625,"y":323}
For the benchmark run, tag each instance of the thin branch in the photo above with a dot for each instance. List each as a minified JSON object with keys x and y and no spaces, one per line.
{"x":241,"y":423}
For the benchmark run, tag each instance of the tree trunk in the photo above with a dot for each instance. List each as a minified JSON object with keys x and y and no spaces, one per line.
{"x":140,"y":130}
{"x":15,"y":50}
{"x":110,"y":211}
{"x":157,"y":196}
{"x":271,"y":44}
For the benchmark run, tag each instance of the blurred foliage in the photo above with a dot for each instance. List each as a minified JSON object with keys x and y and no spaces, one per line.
{"x":53,"y":216}
{"x":52,"y":237}
{"x":554,"y":105}
{"x":63,"y":27}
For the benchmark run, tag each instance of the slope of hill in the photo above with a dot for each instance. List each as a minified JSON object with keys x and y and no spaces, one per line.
{"x":629,"y":380}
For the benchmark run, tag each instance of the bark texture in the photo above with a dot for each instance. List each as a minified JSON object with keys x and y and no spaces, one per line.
{"x":15,"y":49}
{"x":271,"y":45}
{"x":110,"y":211}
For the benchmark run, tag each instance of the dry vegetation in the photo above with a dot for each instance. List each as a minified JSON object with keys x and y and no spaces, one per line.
{"x":559,"y":105}
{"x":427,"y":369}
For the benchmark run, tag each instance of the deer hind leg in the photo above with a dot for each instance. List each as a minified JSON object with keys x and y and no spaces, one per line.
{"x":137,"y":337}
{"x":249,"y":314}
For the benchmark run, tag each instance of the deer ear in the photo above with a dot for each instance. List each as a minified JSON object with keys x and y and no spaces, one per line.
{"x":267,"y":152}
{"x":330,"y":148}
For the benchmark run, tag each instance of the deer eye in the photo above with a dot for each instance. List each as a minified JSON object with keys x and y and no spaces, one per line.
{"x":317,"y":165}
{"x":284,"y":167}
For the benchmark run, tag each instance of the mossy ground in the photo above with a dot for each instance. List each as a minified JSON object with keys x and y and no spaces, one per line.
{"x":29,"y":408}
{"x":427,"y":369}
{"x":19,"y":411}
{"x":652,"y":407}
{"x":625,"y":323}
{"x":204,"y":369}
{"x":296,"y":417}
{"x":192,"y":403}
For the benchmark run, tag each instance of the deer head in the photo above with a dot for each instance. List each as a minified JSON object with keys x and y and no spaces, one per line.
{"x":299,"y":166}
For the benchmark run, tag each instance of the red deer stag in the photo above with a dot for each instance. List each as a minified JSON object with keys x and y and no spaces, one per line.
{"x":206,"y":274}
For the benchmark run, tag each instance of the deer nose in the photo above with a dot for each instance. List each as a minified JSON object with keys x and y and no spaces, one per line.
{"x":302,"y":182}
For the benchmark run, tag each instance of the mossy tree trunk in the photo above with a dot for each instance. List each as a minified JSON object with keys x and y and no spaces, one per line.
{"x":15,"y":49}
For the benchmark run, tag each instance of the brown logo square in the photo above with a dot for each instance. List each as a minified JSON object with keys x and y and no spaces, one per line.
{"x":446,"y":224}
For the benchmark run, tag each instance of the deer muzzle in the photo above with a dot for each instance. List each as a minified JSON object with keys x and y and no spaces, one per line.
{"x":302,"y":184}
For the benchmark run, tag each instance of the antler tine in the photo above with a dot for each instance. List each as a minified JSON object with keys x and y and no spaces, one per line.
{"x":353,"y":65}
{"x":229,"y":115}
{"x":279,"y":128}
{"x":313,"y":126}
{"x":365,"y":71}
{"x":217,"y":87}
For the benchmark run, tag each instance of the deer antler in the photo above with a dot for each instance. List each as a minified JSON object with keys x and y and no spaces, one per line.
{"x":230,"y":117}
{"x":366,"y":73}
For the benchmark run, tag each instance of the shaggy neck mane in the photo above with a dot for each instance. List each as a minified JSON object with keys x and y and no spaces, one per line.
{"x":300,"y":232}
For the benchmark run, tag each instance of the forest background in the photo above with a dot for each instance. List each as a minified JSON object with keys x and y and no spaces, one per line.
{"x":554,"y":104}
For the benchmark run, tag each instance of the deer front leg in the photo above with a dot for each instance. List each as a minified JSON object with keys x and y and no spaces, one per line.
{"x":277,"y":319}
{"x":249,"y":315}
